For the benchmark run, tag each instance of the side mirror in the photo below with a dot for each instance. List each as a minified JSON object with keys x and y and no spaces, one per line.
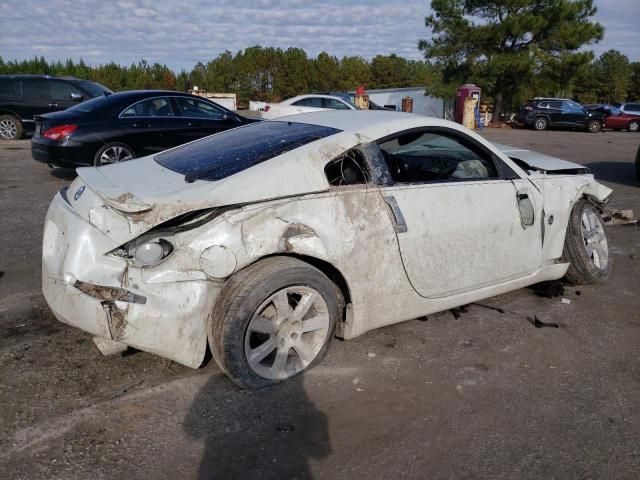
{"x":76,"y":97}
{"x":229,"y":117}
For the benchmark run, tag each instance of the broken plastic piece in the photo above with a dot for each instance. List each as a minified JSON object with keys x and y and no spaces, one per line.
{"x":109,"y":347}
{"x":109,"y":293}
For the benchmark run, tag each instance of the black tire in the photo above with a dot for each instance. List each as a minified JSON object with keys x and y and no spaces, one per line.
{"x":633,"y":126}
{"x":540,"y":123}
{"x":121,"y":150}
{"x":583,"y":266}
{"x":594,"y":126}
{"x":240,"y":299}
{"x":10,"y":128}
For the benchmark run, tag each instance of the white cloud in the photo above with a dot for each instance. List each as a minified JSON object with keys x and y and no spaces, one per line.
{"x":183,"y":33}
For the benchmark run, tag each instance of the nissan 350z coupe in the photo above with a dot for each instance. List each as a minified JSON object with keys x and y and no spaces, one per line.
{"x":266,"y":241}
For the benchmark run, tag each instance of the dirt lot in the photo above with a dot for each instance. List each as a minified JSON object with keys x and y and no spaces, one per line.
{"x":485,"y":395}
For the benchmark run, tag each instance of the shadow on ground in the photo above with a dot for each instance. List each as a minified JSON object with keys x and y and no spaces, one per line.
{"x":268,"y":434}
{"x":64,"y":173}
{"x":622,"y":173}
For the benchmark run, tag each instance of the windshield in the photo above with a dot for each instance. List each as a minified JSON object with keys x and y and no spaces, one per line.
{"x":224,"y":154}
{"x":94,"y":89}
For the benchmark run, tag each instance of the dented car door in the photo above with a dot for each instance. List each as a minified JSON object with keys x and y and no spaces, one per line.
{"x":461,"y":223}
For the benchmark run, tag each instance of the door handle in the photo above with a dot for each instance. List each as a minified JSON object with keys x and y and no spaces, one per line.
{"x":194,"y":124}
{"x":141,"y":125}
{"x":400,"y":225}
{"x":53,"y":104}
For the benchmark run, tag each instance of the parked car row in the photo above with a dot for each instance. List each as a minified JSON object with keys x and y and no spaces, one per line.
{"x":542,"y":113}
{"x":616,"y":118}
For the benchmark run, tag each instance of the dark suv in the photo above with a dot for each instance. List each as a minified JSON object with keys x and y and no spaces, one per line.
{"x":542,"y":113}
{"x":24,"y":96}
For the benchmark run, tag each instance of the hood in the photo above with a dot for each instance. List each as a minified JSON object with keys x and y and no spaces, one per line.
{"x":535,"y":161}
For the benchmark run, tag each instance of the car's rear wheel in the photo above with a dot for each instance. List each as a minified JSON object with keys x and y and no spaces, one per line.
{"x":273,"y":321}
{"x":540,"y":123}
{"x":594,"y":126}
{"x":633,"y":126}
{"x":114,"y":152}
{"x":585,"y":246}
{"x":10,"y":128}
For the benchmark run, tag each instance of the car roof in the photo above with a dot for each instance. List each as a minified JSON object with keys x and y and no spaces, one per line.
{"x":36,"y":75}
{"x":370,"y":123}
{"x":316,"y":95}
{"x":552,"y":98}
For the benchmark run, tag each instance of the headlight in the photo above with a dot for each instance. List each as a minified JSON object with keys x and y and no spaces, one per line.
{"x":145,"y":251}
{"x":150,"y":253}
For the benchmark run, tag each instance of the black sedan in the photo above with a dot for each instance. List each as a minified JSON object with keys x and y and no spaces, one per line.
{"x":121,"y":126}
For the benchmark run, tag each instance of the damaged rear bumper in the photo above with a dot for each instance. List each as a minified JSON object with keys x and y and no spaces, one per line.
{"x":87,"y":288}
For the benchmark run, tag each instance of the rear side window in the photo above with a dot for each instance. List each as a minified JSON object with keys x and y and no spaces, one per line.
{"x":59,"y":90}
{"x":350,"y":168}
{"x":309,"y":102}
{"x":556,"y":105}
{"x":224,"y":154}
{"x":543,"y":105}
{"x":153,"y":107}
{"x":193,"y":108}
{"x":335,"y":104}
{"x":7,"y":88}
{"x":35,"y":89}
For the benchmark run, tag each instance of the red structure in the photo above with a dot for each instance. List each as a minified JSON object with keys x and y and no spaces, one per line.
{"x":468,"y":90}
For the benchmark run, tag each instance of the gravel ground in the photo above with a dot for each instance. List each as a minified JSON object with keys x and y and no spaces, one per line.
{"x":484,"y":395}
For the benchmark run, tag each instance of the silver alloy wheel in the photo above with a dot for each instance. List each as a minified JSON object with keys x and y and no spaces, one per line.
{"x":541,"y":124}
{"x":594,"y":238}
{"x":115,"y":154}
{"x":286,"y":332}
{"x":594,"y":127}
{"x":8,"y":129}
{"x":634,"y":126}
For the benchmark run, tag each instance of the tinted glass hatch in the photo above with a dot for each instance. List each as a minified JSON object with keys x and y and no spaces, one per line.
{"x":219,"y":156}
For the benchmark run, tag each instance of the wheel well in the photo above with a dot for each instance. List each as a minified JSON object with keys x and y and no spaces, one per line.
{"x":325,"y":267}
{"x":13,"y":114}
{"x":328,"y":269}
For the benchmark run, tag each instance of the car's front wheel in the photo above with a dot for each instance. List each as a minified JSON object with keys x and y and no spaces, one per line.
{"x":633,"y":126}
{"x":540,"y":123}
{"x":594,"y":126}
{"x":586,"y":248}
{"x":273,"y":320}
{"x":10,"y":128}
{"x":114,"y":152}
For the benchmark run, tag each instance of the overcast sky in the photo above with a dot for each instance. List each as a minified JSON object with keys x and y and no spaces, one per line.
{"x":180,"y":34}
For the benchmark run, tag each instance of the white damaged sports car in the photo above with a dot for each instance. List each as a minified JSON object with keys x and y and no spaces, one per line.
{"x":265,"y":241}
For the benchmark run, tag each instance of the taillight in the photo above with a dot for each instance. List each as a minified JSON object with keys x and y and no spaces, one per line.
{"x":529,"y":109}
{"x":266,"y":108}
{"x":56,"y":133}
